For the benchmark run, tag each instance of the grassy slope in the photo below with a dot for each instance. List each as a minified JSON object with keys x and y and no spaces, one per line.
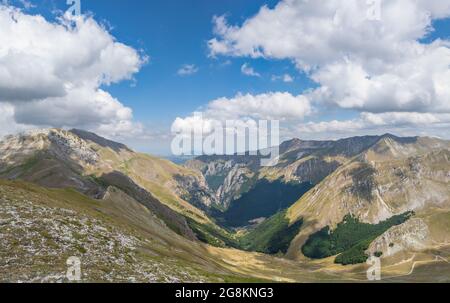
{"x":161,"y":251}
{"x":87,"y":228}
{"x":156,"y":246}
{"x":154,"y":174}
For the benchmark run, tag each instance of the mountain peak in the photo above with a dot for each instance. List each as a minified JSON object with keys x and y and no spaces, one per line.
{"x":69,"y":134}
{"x":290,"y":144}
{"x":402,"y":140}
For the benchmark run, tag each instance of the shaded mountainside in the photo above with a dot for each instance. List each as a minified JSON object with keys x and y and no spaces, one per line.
{"x":172,"y":219}
{"x":273,"y":236}
{"x":262,"y":201}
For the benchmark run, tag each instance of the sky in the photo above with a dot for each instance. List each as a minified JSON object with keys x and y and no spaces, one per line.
{"x":133,"y":70}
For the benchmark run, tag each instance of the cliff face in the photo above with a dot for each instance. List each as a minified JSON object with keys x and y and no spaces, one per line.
{"x":193,"y":188}
{"x":226,"y":177}
{"x":413,"y":235}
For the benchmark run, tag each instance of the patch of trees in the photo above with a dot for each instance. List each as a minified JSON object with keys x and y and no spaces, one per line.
{"x":349,"y":240}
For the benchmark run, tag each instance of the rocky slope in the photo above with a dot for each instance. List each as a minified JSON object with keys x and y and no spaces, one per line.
{"x":299,"y":161}
{"x":58,"y":158}
{"x":372,"y":178}
{"x":116,"y":239}
{"x":393,"y":176}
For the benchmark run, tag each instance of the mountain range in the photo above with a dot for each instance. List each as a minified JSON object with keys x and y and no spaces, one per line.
{"x":315,"y":216}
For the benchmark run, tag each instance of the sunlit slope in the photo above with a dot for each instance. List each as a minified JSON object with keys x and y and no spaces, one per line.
{"x":392,"y":177}
{"x":59,"y":159}
{"x":117,"y":240}
{"x":154,"y":174}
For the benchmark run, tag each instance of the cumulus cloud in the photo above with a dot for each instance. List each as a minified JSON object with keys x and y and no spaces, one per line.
{"x":417,"y":84}
{"x":366,"y":123}
{"x":269,"y":106}
{"x":317,"y":32}
{"x":247,"y":70}
{"x":248,"y":108}
{"x":51,"y":72}
{"x":187,"y":70}
{"x":8,"y":125}
{"x":79,"y":107}
{"x":359,"y":62}
{"x":195,"y":123}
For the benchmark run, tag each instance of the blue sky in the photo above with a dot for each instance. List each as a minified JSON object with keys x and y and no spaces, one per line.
{"x":175,"y":33}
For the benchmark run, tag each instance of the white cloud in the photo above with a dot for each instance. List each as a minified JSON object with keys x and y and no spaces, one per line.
{"x":400,"y":122}
{"x":79,"y":107}
{"x":51,"y":72}
{"x":286,"y":78}
{"x":269,"y":106}
{"x":187,"y":70}
{"x":247,"y":108}
{"x":317,"y":32}
{"x":418,"y":84}
{"x":8,"y":125}
{"x":359,"y":63}
{"x":195,"y":123}
{"x":247,"y":70}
